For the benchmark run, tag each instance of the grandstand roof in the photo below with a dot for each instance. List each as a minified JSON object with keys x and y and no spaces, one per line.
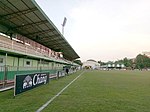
{"x":91,"y":60}
{"x":25,"y":17}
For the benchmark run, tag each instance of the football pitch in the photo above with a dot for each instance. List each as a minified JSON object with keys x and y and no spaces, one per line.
{"x":93,"y":91}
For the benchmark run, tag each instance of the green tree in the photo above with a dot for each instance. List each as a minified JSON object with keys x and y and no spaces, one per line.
{"x":127,"y":62}
{"x":101,"y":63}
{"x":142,"y":61}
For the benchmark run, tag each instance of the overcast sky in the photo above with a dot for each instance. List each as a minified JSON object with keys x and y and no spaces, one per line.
{"x":102,"y":29}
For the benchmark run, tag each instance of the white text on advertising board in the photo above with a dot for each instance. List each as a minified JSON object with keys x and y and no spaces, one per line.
{"x":37,"y":79}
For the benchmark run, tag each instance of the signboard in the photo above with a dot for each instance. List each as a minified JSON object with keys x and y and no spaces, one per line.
{"x":29,"y":81}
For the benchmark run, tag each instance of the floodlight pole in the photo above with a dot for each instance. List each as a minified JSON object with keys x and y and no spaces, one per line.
{"x":62,"y":30}
{"x":63,"y":25}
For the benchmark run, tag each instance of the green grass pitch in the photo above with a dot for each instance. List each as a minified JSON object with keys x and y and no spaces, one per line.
{"x":94,"y":91}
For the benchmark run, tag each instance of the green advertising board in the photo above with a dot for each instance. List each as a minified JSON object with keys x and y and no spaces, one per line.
{"x":29,"y":81}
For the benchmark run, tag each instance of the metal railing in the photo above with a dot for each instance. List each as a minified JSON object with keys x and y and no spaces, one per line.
{"x":7,"y":73}
{"x":15,"y":46}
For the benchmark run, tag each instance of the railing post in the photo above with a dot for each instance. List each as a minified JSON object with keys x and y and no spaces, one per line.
{"x":57,"y":74}
{"x":40,"y":66}
{"x":40,"y":69}
{"x":5,"y":71}
{"x":5,"y":75}
{"x":12,"y":45}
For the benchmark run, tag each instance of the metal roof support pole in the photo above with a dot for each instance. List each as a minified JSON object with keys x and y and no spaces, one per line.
{"x":40,"y":65}
{"x":5,"y":72}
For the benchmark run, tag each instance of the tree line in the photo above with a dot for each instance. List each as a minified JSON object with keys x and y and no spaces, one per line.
{"x":140,"y":62}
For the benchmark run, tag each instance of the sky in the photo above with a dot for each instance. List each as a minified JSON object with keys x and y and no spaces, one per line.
{"x":106,"y":30}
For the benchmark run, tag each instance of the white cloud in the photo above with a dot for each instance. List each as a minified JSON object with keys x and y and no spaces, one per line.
{"x":103,"y":29}
{"x":111,"y":30}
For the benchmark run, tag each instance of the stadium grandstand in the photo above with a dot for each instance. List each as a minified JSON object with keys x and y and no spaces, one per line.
{"x":30,"y":42}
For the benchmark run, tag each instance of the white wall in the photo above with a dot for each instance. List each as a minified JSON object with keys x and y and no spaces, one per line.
{"x":93,"y":64}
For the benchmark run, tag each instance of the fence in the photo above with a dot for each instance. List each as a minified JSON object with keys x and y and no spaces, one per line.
{"x":7,"y":73}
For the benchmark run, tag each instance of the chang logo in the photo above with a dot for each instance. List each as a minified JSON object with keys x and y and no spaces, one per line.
{"x":27,"y":82}
{"x":39,"y":78}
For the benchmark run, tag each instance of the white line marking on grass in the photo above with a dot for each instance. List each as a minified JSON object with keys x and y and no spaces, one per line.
{"x":48,"y":102}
